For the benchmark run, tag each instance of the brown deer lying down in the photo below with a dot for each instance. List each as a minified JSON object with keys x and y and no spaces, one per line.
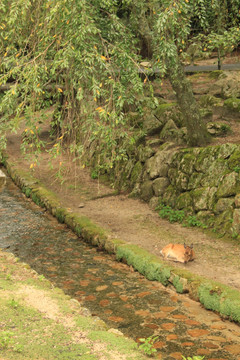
{"x":178,"y":252}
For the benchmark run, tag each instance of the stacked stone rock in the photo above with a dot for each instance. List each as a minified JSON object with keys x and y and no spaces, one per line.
{"x":2,"y":180}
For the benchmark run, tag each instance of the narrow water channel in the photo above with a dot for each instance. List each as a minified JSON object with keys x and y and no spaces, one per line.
{"x":112,"y":291}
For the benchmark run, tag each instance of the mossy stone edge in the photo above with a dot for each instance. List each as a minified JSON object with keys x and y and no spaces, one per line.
{"x":212,"y":295}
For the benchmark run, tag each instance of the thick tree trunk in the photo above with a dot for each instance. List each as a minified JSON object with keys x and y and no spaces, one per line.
{"x":196,"y":129}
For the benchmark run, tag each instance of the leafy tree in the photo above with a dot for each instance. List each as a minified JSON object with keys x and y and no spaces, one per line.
{"x":83,"y":57}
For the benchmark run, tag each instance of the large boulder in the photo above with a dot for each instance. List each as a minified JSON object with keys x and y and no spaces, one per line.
{"x":158,"y":165}
{"x":227,"y":85}
{"x":223,"y":204}
{"x":160,"y":185}
{"x":229,"y":186}
{"x":203,"y":198}
{"x":146,"y":190}
{"x":152,"y":125}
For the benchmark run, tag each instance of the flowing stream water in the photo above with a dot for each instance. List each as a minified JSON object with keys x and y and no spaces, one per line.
{"x":112,"y":291}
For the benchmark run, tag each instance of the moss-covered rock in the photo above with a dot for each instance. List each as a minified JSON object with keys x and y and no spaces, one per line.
{"x":233,"y":105}
{"x":195,"y":180}
{"x":181,"y":181}
{"x":205,"y":158}
{"x":226,"y":150}
{"x":187,"y":162}
{"x":152,"y":125}
{"x":158,"y":165}
{"x":223,"y":221}
{"x":206,"y":217}
{"x":136,"y":173}
{"x":218,"y":128}
{"x":146,"y":190}
{"x":214,"y":172}
{"x":153,"y":203}
{"x":237,"y":201}
{"x":234,"y":160}
{"x":170,"y":196}
{"x":236,"y":221}
{"x":170,"y":132}
{"x":160,"y":185}
{"x":201,"y":198}
{"x":163,"y":108}
{"x":184,"y":201}
{"x":145,"y":152}
{"x":208,"y":101}
{"x":229,"y":186}
{"x":227,"y":85}
{"x":223,"y":204}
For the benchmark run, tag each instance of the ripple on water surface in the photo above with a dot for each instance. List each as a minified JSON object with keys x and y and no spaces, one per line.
{"x":121,"y":297}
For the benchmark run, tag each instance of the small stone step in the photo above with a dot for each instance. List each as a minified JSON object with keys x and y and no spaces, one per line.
{"x":2,"y":180}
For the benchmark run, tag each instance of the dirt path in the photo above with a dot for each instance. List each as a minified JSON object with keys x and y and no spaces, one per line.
{"x":132,"y":220}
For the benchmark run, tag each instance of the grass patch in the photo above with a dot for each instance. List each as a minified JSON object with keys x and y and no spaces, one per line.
{"x":28,"y":333}
{"x":118,"y":343}
{"x":172,"y":215}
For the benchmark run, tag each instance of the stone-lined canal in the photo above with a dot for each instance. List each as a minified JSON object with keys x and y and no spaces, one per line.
{"x":112,"y":291}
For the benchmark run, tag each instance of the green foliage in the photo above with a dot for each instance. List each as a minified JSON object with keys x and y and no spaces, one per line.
{"x":147,"y":345}
{"x":6,"y":338}
{"x":94,"y":174}
{"x":193,"y":358}
{"x":166,"y":212}
{"x":84,"y":58}
{"x":27,"y":191}
{"x":224,"y":128}
{"x":13,"y":303}
{"x":237,"y":169}
{"x":192,"y":220}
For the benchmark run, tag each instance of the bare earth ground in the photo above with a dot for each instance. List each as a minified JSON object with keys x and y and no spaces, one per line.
{"x":132,"y":220}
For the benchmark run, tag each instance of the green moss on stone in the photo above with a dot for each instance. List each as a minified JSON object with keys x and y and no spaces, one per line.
{"x":234,"y":160}
{"x":37,"y":199}
{"x":215,"y":74}
{"x":60,"y":214}
{"x":187,"y":163}
{"x":162,"y":108}
{"x":221,"y":299}
{"x":27,"y":191}
{"x":136,"y":173}
{"x":145,"y":263}
{"x":233,"y":104}
{"x":170,"y":196}
{"x":177,"y":284}
{"x":184,"y":201}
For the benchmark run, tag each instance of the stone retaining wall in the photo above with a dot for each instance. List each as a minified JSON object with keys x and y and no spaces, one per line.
{"x":201,"y":181}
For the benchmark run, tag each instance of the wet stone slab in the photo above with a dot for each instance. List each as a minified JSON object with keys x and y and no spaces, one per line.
{"x":112,"y":291}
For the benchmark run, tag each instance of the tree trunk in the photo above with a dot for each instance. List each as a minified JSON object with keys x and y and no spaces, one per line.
{"x":196,"y":130}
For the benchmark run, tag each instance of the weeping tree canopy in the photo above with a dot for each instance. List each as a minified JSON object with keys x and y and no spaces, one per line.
{"x":83,"y":57}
